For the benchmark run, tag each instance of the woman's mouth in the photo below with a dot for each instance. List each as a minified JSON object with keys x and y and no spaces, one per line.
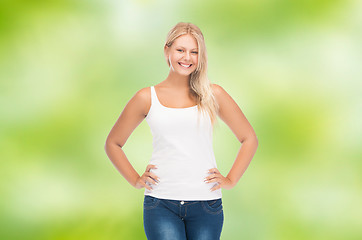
{"x":185,"y":65}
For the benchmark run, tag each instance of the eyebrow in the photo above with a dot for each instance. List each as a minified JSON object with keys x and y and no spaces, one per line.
{"x":183,"y":47}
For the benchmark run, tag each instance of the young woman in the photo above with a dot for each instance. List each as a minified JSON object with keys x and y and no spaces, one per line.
{"x":182,"y":198}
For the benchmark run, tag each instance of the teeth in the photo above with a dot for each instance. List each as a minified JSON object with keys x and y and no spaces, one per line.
{"x":185,"y":65}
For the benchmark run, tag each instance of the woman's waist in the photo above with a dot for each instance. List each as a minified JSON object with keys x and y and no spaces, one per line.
{"x":188,"y":176}
{"x":184,"y":190}
{"x":189,"y":172}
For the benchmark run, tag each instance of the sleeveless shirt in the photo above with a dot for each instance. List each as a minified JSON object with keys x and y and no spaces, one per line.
{"x":182,"y":152}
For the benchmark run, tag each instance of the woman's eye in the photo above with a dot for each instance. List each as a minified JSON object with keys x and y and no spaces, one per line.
{"x":180,"y":50}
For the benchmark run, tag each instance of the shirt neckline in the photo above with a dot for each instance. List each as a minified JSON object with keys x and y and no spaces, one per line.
{"x":169,"y":107}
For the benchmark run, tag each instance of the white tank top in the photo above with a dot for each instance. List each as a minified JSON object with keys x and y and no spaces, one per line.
{"x":182,"y":152}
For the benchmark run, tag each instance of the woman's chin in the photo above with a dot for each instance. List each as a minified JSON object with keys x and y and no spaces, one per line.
{"x":184,"y":73}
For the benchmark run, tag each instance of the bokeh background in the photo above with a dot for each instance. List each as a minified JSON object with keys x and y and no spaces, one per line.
{"x":68,"y":68}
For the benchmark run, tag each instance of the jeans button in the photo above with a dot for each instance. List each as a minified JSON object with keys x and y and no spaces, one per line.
{"x":182,"y":202}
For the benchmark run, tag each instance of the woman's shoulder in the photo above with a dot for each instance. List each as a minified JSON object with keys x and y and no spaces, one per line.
{"x":216,"y":88}
{"x":222,"y":97}
{"x":218,"y":91}
{"x":144,"y":93}
{"x":143,"y":98}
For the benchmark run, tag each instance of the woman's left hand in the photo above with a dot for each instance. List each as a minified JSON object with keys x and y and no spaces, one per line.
{"x":215,"y":176}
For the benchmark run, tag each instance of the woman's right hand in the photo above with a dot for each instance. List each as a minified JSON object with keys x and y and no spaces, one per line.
{"x":147,"y":176}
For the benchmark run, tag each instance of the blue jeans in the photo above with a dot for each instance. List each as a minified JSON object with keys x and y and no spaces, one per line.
{"x":165,"y":219}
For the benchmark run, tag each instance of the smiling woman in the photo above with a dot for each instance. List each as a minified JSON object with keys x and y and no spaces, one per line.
{"x":182,"y":198}
{"x":183,"y":55}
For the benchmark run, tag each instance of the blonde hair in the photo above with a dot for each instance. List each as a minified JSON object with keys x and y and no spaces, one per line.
{"x":200,"y":86}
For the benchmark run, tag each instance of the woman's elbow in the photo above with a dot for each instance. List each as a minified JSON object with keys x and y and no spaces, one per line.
{"x":255,"y":140}
{"x":112,"y":142}
{"x":251,"y":139}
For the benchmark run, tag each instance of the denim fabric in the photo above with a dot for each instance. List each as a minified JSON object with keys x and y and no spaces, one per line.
{"x":165,"y":219}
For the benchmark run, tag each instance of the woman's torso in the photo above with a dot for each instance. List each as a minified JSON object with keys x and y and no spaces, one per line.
{"x":182,"y":152}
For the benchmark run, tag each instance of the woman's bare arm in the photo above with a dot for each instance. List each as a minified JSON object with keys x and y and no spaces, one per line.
{"x":232,"y":115}
{"x":132,"y":115}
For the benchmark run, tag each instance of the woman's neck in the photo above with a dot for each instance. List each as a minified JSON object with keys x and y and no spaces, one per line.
{"x":178,"y":81}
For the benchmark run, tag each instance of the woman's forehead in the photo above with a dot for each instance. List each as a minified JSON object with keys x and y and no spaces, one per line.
{"x":186,"y":41}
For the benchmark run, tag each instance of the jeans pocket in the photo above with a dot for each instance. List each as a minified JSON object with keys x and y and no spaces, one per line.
{"x":212,"y":206}
{"x":150,"y":202}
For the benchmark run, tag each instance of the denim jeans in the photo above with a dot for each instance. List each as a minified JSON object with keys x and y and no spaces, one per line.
{"x":165,"y":219}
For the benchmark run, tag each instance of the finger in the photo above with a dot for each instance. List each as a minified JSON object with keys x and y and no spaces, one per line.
{"x":218,"y":180}
{"x":216,"y":187}
{"x":146,"y":185}
{"x":147,"y":178}
{"x":211,"y":176}
{"x":151,"y":180}
{"x":214,"y":170}
{"x":154,"y":176}
{"x":214,"y":179}
{"x":149,"y":166}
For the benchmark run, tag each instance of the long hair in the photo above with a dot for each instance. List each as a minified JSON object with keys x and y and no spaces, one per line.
{"x":200,"y":86}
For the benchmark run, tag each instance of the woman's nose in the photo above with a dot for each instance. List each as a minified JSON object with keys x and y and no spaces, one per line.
{"x":187,"y":55}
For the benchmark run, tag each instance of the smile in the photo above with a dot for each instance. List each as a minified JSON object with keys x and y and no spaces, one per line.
{"x":185,"y":66}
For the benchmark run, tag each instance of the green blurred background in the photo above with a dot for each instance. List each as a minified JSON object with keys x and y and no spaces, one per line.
{"x":68,"y":68}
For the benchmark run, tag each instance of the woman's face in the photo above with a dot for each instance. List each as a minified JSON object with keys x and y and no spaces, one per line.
{"x":183,"y":55}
